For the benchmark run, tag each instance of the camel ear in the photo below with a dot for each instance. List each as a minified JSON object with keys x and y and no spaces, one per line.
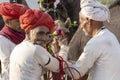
{"x":67,"y":22}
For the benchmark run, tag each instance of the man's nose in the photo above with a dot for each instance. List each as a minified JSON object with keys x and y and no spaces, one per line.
{"x":43,"y":37}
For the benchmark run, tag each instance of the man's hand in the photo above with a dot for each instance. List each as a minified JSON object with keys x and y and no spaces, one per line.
{"x":55,"y":46}
{"x":63,"y":42}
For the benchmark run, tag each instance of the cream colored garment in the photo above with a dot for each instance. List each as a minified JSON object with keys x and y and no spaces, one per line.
{"x":94,"y":10}
{"x":101,"y":58}
{"x":27,"y":62}
{"x":63,"y":52}
{"x":6,"y":47}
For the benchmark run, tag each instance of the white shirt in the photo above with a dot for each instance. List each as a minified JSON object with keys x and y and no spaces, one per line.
{"x":27,"y":61}
{"x":6,"y":47}
{"x":101,"y":58}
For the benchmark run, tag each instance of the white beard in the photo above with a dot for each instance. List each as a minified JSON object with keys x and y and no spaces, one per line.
{"x":86,"y":33}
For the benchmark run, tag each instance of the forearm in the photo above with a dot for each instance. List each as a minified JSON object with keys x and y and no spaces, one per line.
{"x":71,"y":70}
{"x":64,"y":52}
{"x":52,"y":64}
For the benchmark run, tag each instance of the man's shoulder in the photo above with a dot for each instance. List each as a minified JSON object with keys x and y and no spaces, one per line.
{"x":3,"y":39}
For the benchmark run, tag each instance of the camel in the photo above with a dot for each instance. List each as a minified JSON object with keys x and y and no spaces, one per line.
{"x":73,"y":8}
{"x":55,"y":8}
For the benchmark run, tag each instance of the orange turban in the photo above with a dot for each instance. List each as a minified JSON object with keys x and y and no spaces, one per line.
{"x":12,"y":11}
{"x":35,"y":18}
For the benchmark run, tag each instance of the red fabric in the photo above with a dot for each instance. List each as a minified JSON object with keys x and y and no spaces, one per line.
{"x":61,"y":72}
{"x":53,"y":0}
{"x":35,"y":18}
{"x":12,"y":11}
{"x":14,"y":36}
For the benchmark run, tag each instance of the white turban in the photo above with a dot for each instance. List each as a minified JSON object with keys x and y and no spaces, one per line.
{"x":94,"y":10}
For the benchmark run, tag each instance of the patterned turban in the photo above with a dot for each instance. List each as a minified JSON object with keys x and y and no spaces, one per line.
{"x":35,"y":18}
{"x":94,"y":10}
{"x":12,"y":11}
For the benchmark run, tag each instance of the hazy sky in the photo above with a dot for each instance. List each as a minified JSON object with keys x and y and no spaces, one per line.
{"x":4,"y":1}
{"x":31,"y":3}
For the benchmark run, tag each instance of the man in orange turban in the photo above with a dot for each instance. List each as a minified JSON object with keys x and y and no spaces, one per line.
{"x":12,"y":11}
{"x":11,"y":34}
{"x":32,"y":54}
{"x":35,"y":18}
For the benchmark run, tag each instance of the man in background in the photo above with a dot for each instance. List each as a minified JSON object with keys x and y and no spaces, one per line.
{"x":11,"y":34}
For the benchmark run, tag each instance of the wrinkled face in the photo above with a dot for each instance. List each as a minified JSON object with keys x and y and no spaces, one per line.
{"x":85,"y":25}
{"x":14,"y":24}
{"x":39,"y":35}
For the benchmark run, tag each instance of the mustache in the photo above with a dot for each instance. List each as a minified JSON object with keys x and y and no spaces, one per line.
{"x":40,"y":42}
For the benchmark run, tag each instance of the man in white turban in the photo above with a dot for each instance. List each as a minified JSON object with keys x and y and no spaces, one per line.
{"x":101,"y":55}
{"x":94,"y":10}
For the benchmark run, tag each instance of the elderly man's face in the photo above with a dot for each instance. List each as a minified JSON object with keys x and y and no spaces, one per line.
{"x":85,"y":25}
{"x":39,"y":35}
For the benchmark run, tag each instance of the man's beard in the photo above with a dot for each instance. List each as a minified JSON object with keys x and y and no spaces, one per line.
{"x":86,"y":32}
{"x":40,"y":42}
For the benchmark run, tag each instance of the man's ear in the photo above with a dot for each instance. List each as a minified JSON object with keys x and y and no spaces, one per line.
{"x":89,"y":21}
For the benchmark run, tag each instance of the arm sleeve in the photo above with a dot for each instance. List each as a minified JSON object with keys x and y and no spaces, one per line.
{"x":63,"y":52}
{"x":45,"y":59}
{"x":85,"y":62}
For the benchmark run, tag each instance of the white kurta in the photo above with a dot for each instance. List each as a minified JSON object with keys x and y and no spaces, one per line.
{"x":101,"y":58}
{"x":6,"y":47}
{"x":27,"y":61}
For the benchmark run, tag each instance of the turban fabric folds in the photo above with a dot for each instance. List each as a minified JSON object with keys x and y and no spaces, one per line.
{"x":94,"y":10}
{"x":12,"y":11}
{"x":35,"y":18}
